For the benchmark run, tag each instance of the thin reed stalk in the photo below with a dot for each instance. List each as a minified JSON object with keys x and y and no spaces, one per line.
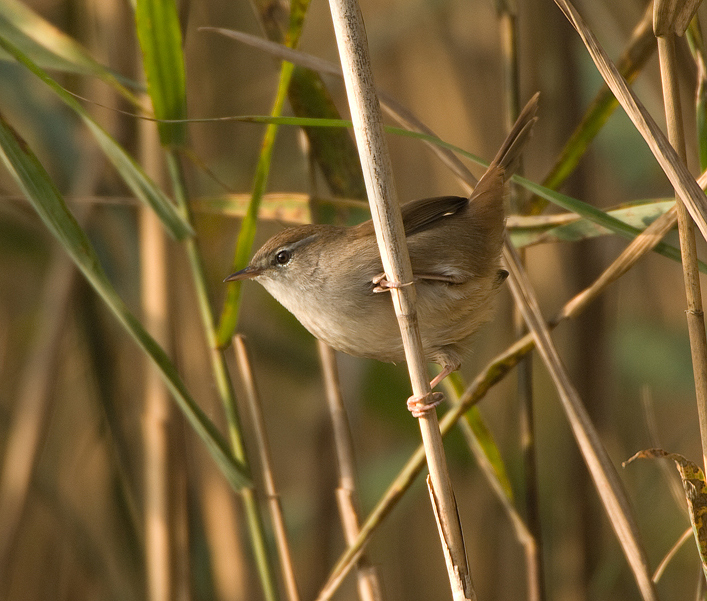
{"x":158,"y":499}
{"x":369,"y":588}
{"x":388,"y":223}
{"x":603,"y":472}
{"x":273,"y":498}
{"x":664,"y":26}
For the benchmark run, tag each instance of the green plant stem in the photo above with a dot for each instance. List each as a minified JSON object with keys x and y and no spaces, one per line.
{"x":224,"y":386}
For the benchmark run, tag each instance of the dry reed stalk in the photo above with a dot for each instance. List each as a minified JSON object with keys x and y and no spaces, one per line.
{"x":664,"y":25}
{"x":369,"y":588}
{"x":226,"y":537}
{"x":601,"y":468}
{"x":387,"y":220}
{"x":675,"y":169}
{"x":28,"y":423}
{"x":684,"y":537}
{"x":261,"y":440}
{"x":156,"y":416}
{"x":157,"y":406}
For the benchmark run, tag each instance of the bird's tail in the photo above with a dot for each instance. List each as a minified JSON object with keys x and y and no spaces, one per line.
{"x":508,"y":156}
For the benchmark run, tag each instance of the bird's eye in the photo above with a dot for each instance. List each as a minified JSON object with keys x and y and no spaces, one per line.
{"x":283,"y":257}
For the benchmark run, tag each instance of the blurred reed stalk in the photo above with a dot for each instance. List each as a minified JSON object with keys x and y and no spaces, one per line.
{"x":369,"y":588}
{"x":261,"y":440}
{"x":226,"y":536}
{"x":382,"y":197}
{"x":29,"y":423}
{"x":532,"y":538}
{"x":666,"y":24}
{"x":159,"y":502}
{"x":34,"y":403}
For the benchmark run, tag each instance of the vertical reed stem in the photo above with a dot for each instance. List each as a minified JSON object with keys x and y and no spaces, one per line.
{"x":273,"y":498}
{"x":686,"y":229}
{"x":387,"y":220}
{"x":156,"y":405}
{"x":367,"y":578}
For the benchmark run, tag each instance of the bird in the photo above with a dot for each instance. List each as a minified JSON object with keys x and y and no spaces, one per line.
{"x":331,"y":277}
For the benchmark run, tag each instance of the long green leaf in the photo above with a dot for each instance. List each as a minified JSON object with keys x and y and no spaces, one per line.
{"x":163,"y":61}
{"x":536,"y":229}
{"x":131,"y":172}
{"x":53,"y":49}
{"x":41,"y":192}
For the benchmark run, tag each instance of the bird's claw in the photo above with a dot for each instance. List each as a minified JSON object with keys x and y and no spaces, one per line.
{"x":418,"y":405}
{"x":382,"y":284}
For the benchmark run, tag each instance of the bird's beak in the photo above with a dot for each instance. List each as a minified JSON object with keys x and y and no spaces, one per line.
{"x":248,"y":273}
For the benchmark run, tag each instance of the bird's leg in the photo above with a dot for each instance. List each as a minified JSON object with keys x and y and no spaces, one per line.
{"x":381,"y":284}
{"x":446,"y":370}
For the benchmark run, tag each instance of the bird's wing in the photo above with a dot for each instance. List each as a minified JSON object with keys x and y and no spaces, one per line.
{"x":418,"y":215}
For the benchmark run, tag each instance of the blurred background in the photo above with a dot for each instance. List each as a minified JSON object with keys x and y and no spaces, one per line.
{"x":72,"y":382}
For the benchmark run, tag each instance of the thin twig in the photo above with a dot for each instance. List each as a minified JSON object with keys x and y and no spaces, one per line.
{"x":273,"y":498}
{"x":684,"y":537}
{"x":388,"y":223}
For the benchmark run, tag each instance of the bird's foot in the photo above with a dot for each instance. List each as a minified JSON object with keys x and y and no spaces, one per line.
{"x":381,"y":284}
{"x":418,"y":405}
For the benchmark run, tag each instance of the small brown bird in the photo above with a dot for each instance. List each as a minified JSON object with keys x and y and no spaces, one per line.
{"x":330,"y":277}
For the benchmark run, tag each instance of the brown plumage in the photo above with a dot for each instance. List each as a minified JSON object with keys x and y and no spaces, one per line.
{"x":327,"y":276}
